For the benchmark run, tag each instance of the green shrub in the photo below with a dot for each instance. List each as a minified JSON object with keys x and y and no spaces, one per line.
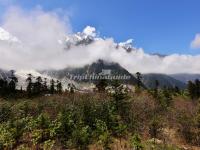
{"x":40,"y":136}
{"x":155,"y":126}
{"x":102,"y":134}
{"x":5,"y":112}
{"x":7,"y":139}
{"x":81,"y":137}
{"x":136,"y":142}
{"x":48,"y":145}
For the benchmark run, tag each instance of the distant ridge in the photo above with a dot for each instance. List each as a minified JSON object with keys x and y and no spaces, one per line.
{"x":184,"y":77}
{"x":164,"y":80}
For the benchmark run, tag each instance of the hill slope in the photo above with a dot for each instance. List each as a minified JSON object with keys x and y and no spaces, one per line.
{"x":164,"y":80}
{"x":185,"y":77}
{"x":97,"y":68}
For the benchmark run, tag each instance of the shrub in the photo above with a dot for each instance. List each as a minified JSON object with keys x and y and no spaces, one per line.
{"x":81,"y":137}
{"x":5,"y":112}
{"x":155,"y":126}
{"x":136,"y":142}
{"x":102,"y":134}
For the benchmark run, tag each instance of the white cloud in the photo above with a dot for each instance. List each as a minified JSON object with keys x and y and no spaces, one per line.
{"x":195,"y":44}
{"x":91,"y":31}
{"x":40,"y":31}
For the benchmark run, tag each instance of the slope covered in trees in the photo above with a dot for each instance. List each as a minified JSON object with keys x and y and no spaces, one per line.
{"x":158,"y":118}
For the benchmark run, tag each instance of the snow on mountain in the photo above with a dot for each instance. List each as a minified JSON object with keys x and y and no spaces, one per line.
{"x":7,"y":37}
{"x":23,"y":74}
{"x":81,"y":38}
{"x":90,"y":31}
{"x":128,"y":45}
{"x":88,"y":36}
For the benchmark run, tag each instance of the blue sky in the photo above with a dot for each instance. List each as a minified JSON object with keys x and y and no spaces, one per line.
{"x":162,"y":26}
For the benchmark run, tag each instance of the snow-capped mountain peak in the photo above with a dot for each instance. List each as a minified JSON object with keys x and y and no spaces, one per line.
{"x":81,"y":38}
{"x":128,"y":45}
{"x":88,"y":36}
{"x":6,"y":36}
{"x":90,"y":31}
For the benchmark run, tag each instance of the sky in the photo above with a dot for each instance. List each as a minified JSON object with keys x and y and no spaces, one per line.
{"x":37,"y":32}
{"x":164,"y":27}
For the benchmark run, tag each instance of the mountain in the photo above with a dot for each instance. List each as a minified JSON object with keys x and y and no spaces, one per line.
{"x":164,"y":80}
{"x":80,"y":77}
{"x":88,"y":36}
{"x":4,"y":74}
{"x":96,"y":69}
{"x":186,"y":77}
{"x":23,"y":74}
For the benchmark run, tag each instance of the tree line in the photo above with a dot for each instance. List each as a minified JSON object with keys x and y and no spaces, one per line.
{"x":194,"y":89}
{"x":35,"y":86}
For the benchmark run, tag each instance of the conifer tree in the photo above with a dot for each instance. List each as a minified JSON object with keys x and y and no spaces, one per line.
{"x":29,"y":84}
{"x":37,"y":86}
{"x":52,"y":86}
{"x":101,"y":85}
{"x":13,"y":82}
{"x":45,"y":87}
{"x":59,"y":86}
{"x":139,"y":79}
{"x":191,"y":89}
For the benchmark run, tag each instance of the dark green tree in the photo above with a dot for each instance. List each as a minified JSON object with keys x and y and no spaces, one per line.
{"x":139,"y":79}
{"x":29,"y":84}
{"x":197,"y":88}
{"x":192,"y":89}
{"x":3,"y":87}
{"x":59,"y":86}
{"x":45,"y":87}
{"x":37,"y":86}
{"x":167,"y":97}
{"x":155,"y":93}
{"x":177,"y":90}
{"x":52,"y":86}
{"x":13,"y":82}
{"x":101,"y":85}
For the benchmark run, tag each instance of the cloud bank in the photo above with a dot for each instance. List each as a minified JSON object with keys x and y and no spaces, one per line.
{"x":42,"y":38}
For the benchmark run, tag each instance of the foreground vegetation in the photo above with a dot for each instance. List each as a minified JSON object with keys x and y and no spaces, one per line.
{"x":43,"y":117}
{"x":143,"y":120}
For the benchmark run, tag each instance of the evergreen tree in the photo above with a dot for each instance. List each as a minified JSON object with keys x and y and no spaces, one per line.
{"x":37,"y":86}
{"x":167,"y":96}
{"x":177,"y":90}
{"x":197,"y":88}
{"x":52,"y":86}
{"x":191,"y":89}
{"x":101,"y":85}
{"x":45,"y":87}
{"x":139,"y":79}
{"x":29,"y":84}
{"x":3,"y":87}
{"x":59,"y":86}
{"x":13,"y":82}
{"x":155,"y":94}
